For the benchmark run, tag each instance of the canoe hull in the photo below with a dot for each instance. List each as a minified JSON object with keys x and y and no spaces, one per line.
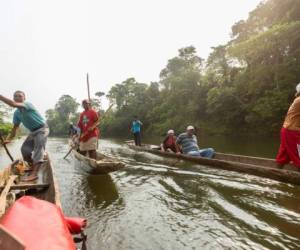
{"x":45,"y":176}
{"x":262,"y":167}
{"x":103,"y":164}
{"x":45,"y":189}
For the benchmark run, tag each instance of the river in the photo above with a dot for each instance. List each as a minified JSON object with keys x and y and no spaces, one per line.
{"x":154,"y":203}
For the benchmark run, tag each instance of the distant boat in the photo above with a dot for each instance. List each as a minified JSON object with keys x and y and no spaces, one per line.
{"x":263,"y":167}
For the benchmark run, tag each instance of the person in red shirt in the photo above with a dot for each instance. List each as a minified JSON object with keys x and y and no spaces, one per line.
{"x":289,"y":150}
{"x":88,"y":122}
{"x":169,"y":143}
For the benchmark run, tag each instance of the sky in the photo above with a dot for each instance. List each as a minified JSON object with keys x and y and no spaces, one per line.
{"x":47,"y":47}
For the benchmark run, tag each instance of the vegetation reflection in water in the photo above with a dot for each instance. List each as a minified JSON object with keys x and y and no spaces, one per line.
{"x":155,"y":203}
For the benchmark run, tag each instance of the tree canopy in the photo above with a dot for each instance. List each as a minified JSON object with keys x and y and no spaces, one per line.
{"x":245,"y":84}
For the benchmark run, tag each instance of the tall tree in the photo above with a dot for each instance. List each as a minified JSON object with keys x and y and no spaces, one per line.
{"x":64,"y":113}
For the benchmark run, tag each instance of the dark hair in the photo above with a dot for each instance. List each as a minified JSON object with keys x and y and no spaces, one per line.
{"x":86,"y":101}
{"x":19,"y":91}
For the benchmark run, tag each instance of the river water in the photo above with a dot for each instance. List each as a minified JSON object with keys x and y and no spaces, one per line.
{"x":155,"y":203}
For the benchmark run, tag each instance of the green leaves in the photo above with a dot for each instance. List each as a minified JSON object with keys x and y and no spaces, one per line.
{"x":244,"y":86}
{"x":62,"y":115}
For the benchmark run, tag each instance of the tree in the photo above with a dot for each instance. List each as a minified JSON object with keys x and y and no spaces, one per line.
{"x":64,"y":113}
{"x":244,"y":84}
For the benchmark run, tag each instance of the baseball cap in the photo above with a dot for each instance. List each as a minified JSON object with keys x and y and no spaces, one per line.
{"x":190,"y":127}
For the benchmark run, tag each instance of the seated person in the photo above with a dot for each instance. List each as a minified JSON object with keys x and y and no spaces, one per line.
{"x":189,"y":144}
{"x":169,"y":143}
{"x":74,"y":133}
{"x":73,"y":130}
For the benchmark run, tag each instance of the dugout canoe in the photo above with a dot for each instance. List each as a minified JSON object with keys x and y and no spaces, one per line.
{"x":103,"y":165}
{"x":12,"y":189}
{"x":263,"y":167}
{"x":44,"y":188}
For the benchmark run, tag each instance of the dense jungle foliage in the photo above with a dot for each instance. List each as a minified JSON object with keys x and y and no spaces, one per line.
{"x":243,"y":87}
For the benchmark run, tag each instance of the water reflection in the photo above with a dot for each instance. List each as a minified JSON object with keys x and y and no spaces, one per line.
{"x":102,"y":190}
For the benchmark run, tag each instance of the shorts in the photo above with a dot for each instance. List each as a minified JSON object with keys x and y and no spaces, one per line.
{"x":90,"y":144}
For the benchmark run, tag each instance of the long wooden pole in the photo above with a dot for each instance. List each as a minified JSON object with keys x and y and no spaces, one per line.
{"x":6,"y":149}
{"x":88,"y":86}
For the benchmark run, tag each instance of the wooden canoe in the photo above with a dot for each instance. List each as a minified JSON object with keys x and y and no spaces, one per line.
{"x":44,"y":188}
{"x":103,"y":165}
{"x":263,"y":167}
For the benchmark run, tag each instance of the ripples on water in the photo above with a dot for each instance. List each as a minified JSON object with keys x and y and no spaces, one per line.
{"x":157,"y":203}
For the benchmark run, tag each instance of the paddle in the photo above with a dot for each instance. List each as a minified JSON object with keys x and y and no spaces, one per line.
{"x":94,"y":126}
{"x":6,"y":149}
{"x":68,"y":152}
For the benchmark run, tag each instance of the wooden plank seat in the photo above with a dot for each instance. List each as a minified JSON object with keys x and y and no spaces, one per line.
{"x":24,"y":186}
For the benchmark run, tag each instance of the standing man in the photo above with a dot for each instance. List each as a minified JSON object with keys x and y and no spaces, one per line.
{"x":88,"y":122}
{"x":136,"y":130}
{"x":33,"y":148}
{"x":289,"y":150}
{"x":189,"y":144}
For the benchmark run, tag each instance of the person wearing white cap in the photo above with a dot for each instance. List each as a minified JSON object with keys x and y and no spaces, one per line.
{"x":289,"y":150}
{"x":169,"y":143}
{"x":189,"y":144}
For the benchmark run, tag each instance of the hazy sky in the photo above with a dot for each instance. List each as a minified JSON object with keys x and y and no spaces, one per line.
{"x":46,"y":47}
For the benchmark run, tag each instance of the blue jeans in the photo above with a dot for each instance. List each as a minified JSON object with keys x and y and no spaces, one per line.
{"x":137,"y":139}
{"x":206,"y":152}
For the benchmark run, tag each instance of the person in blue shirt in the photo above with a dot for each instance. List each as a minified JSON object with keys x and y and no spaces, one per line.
{"x":136,"y":130}
{"x":33,"y":148}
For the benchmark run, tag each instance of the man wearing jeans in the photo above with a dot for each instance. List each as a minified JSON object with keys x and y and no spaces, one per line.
{"x":33,"y":148}
{"x":189,"y":144}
